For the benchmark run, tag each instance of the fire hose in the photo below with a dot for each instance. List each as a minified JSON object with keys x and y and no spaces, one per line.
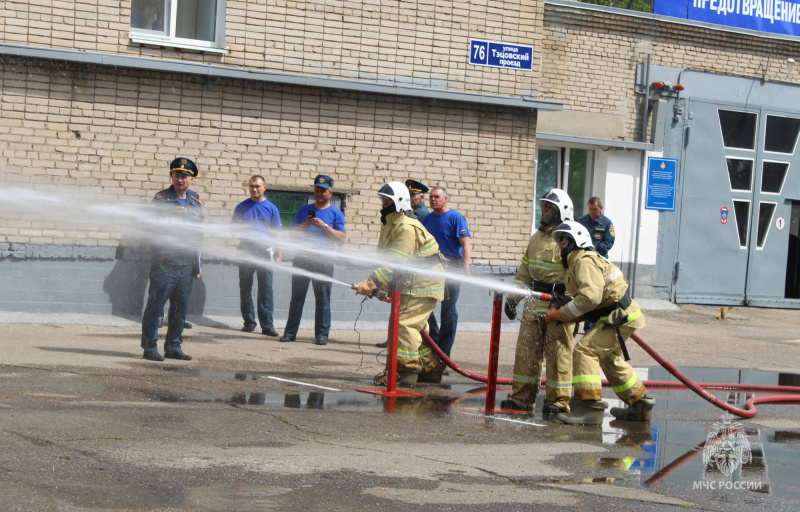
{"x":685,"y":382}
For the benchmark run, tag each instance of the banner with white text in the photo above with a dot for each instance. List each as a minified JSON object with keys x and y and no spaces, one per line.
{"x":774,"y":16}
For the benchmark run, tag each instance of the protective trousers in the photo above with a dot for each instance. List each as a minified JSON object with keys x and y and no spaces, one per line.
{"x":528,"y":364}
{"x":412,"y":351}
{"x":599,"y":349}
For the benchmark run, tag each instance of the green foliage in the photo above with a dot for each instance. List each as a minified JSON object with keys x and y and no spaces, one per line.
{"x":634,"y":5}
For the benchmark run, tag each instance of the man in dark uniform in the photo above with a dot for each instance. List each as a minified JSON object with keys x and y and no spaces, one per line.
{"x":176,"y":260}
{"x":600,"y":227}
{"x":418,"y":191}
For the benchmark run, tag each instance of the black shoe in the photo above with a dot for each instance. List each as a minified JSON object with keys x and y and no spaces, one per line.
{"x":177,"y":354}
{"x":248,"y":328}
{"x":552,"y":409}
{"x":385,"y":344}
{"x":152,"y":355}
{"x":287,"y":337}
{"x":187,"y":325}
{"x":269,"y":331}
{"x":513,"y":406}
{"x":319,"y":340}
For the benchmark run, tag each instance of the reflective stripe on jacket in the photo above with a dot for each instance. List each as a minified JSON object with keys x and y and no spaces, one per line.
{"x":541,"y":262}
{"x":408,"y":243}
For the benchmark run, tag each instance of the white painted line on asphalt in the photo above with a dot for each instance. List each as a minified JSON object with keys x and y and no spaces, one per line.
{"x":301,"y":383}
{"x":501,"y":419}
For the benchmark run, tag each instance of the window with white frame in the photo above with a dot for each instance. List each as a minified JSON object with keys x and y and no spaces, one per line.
{"x":196,"y":24}
{"x":570,"y":169}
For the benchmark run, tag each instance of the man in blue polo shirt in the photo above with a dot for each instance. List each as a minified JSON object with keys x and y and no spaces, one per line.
{"x":323,"y":226}
{"x":260,"y":224}
{"x":451,"y":232}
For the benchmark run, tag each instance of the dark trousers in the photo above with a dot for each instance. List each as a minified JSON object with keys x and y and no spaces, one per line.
{"x":445,"y":335}
{"x":264,"y":301}
{"x":322,"y":294}
{"x":173,"y":283}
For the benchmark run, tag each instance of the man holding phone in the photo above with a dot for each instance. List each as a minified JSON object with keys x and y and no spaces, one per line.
{"x":324,"y":227}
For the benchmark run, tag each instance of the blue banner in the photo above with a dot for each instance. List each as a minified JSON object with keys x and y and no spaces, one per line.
{"x":774,"y":16}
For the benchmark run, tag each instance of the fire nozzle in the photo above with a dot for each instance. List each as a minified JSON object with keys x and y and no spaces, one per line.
{"x":378,"y":293}
{"x":541,"y":296}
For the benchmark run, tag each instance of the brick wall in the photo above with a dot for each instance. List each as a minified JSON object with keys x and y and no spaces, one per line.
{"x":590,"y":58}
{"x":425,"y":42}
{"x":112,"y":133}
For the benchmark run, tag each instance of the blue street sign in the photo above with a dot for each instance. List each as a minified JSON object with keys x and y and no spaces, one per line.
{"x":501,"y":55}
{"x":662,"y":177}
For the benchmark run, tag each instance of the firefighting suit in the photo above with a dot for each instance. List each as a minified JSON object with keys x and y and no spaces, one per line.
{"x":540,"y":269}
{"x":407,"y":242}
{"x":597,"y":287}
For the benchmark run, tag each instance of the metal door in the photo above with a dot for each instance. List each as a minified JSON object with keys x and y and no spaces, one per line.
{"x":738,"y":166}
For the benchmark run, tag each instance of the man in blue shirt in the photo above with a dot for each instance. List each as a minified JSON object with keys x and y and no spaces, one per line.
{"x":451,"y":232}
{"x":259,"y":223}
{"x":600,"y":227}
{"x":323,"y":225}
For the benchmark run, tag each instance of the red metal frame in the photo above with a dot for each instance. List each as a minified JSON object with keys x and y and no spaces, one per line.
{"x":391,"y":376}
{"x":494,"y":354}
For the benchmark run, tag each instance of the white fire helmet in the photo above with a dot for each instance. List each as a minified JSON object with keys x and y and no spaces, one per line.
{"x":575,"y":230}
{"x":562,"y":203}
{"x":399,"y":195}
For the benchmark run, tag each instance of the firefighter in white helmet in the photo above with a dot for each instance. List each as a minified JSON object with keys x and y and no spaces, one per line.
{"x":541,"y":270}
{"x":407,"y":243}
{"x":600,"y":294}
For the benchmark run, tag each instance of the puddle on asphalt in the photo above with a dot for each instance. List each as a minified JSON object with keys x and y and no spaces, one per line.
{"x":723,"y":453}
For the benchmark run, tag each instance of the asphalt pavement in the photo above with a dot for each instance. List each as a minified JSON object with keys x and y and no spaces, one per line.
{"x":251,"y":424}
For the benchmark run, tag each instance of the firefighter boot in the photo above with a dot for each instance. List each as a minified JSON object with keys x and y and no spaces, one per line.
{"x":641,"y":410}
{"x":433,"y":376}
{"x":587,"y":412}
{"x":512,"y":405}
{"x":407,"y":379}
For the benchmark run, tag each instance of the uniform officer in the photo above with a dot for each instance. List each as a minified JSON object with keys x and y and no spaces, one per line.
{"x":601,"y":230}
{"x":599,"y":293}
{"x":541,"y":270}
{"x":417,"y":191}
{"x":407,"y":242}
{"x":176,"y":260}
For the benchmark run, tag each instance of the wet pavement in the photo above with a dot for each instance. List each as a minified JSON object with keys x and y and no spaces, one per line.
{"x":253,"y":424}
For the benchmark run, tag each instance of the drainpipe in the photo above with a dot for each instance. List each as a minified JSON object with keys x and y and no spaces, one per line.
{"x":637,"y":216}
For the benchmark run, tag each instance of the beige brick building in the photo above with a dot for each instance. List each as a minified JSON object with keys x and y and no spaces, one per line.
{"x":98,"y":99}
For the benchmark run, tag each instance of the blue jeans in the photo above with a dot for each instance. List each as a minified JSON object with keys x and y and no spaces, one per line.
{"x":322,"y":294}
{"x":173,"y":282}
{"x":446,"y":335}
{"x":264,"y":300}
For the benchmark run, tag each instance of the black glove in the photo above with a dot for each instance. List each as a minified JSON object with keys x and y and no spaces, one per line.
{"x":557,"y":300}
{"x":511,"y":309}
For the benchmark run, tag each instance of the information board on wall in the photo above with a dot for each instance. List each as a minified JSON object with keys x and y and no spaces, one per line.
{"x":774,"y":16}
{"x":662,"y":178}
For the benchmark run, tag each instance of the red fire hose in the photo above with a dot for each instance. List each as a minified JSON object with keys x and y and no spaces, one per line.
{"x":748,"y":412}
